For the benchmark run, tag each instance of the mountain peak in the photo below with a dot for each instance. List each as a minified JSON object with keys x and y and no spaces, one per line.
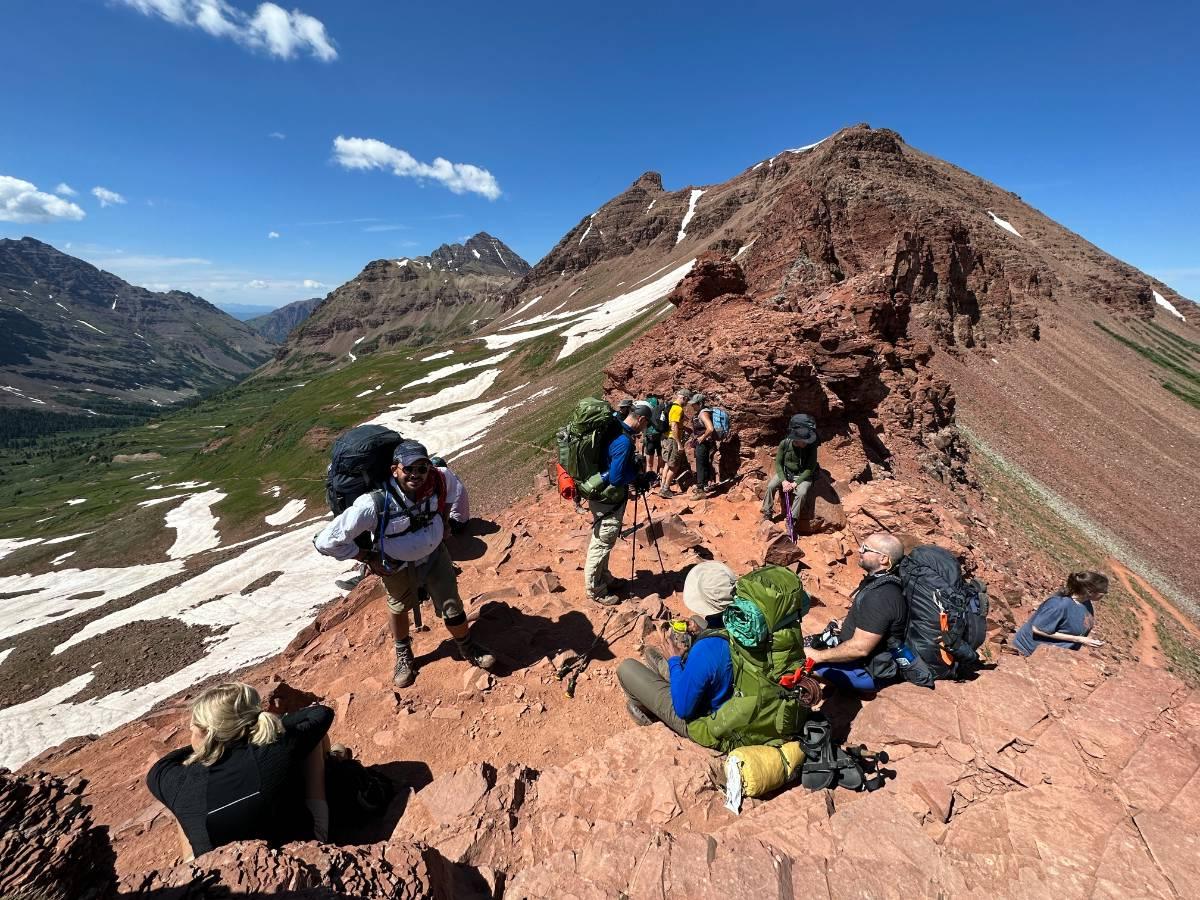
{"x":481,"y":255}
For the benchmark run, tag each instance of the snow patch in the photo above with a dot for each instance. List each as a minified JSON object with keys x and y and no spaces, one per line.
{"x":651,"y":206}
{"x":59,"y":560}
{"x":77,"y":501}
{"x":744,"y":248}
{"x":476,"y":252}
{"x":11,"y":545}
{"x":589,"y":228}
{"x":620,"y":310}
{"x":687,"y":217}
{"x":259,"y":625}
{"x":802,"y":149}
{"x":447,"y":371}
{"x":195,"y":525}
{"x":499,"y":341}
{"x":91,"y":326}
{"x":522,"y":308}
{"x":359,"y":341}
{"x":441,"y":355}
{"x":290,"y":510}
{"x":157,"y":500}
{"x":1003,"y":224}
{"x":1167,"y":305}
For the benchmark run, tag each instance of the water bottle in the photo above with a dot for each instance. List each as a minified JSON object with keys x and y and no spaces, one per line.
{"x":903,"y":656}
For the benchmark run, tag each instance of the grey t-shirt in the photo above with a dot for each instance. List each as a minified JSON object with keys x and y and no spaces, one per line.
{"x":1058,"y":613}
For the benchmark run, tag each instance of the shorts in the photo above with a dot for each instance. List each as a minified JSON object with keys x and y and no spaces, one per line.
{"x":674,"y":456}
{"x":652,"y":444}
{"x":436,"y":575}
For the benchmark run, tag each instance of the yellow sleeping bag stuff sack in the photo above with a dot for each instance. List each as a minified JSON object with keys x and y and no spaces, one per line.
{"x":765,"y":769}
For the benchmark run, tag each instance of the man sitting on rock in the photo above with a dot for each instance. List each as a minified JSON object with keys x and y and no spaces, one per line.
{"x":620,"y":472}
{"x":861,"y":659}
{"x":412,"y":554}
{"x":795,"y":466}
{"x":681,"y":688}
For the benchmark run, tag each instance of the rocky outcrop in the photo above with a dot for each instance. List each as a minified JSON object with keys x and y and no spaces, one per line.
{"x":301,"y":872}
{"x":844,"y":356}
{"x":49,"y":847}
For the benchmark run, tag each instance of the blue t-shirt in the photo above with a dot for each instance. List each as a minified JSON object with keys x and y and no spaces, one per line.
{"x":622,"y":464}
{"x":1058,"y":613}
{"x":705,"y":682}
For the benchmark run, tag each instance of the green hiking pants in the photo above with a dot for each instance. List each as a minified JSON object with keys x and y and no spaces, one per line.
{"x":798,"y":497}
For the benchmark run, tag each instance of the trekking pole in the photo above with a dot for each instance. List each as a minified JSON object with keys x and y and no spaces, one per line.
{"x":653,"y":536}
{"x":633,"y":559}
{"x":787,"y":504}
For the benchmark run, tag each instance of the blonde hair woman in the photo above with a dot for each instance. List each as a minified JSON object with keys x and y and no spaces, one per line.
{"x":248,"y":774}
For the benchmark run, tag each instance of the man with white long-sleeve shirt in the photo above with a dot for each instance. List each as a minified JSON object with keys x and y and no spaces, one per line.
{"x":410,"y":514}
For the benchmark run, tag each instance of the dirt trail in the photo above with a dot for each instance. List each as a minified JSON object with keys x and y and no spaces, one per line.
{"x":1137,"y":588}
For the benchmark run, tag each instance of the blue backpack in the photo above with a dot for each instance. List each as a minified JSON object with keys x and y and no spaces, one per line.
{"x":720,"y":420}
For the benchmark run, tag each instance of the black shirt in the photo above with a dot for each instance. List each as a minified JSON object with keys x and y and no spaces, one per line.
{"x":251,"y":792}
{"x":879,"y":608}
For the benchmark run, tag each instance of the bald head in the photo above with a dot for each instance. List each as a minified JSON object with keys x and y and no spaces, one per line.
{"x":880,"y":551}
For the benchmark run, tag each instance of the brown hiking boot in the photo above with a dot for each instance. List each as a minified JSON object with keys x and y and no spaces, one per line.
{"x":405,"y":672}
{"x":605,"y":599}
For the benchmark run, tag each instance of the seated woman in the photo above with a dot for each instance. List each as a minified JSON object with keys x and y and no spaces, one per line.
{"x":248,"y":774}
{"x":1066,"y":619}
{"x":677,"y":690}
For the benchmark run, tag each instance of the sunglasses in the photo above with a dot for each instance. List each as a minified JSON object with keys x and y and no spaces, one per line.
{"x":416,"y":469}
{"x":865,"y":549}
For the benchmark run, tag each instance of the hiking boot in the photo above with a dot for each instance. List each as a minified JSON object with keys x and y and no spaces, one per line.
{"x":605,"y":599}
{"x":405,"y":672}
{"x":665,"y":491}
{"x":349,"y":584}
{"x":470,"y":650}
{"x":638,"y":713}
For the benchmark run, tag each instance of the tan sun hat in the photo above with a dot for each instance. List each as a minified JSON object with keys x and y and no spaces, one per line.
{"x":708,"y":588}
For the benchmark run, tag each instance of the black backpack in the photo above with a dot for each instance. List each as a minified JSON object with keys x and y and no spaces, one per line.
{"x":661,"y":421}
{"x":362,"y":462}
{"x":947,"y":616}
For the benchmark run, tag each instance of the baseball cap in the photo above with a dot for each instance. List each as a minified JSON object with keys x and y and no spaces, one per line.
{"x":708,"y":588}
{"x":408,"y":452}
{"x":697,"y":398}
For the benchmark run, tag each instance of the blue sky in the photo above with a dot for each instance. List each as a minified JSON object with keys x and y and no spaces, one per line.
{"x":217,"y":134}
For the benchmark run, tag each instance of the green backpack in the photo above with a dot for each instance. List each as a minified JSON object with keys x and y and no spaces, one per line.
{"x":762,"y":626}
{"x":583,"y":447}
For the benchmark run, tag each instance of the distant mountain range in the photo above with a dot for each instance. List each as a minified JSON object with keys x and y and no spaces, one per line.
{"x":74,"y":338}
{"x":277,"y":324}
{"x":455,"y":290}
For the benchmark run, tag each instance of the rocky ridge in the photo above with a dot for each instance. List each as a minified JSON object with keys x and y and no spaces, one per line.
{"x":448,"y":294}
{"x":75,"y":338}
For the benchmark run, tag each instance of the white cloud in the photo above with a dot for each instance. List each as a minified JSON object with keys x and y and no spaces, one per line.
{"x":309,"y":283}
{"x":278,"y":135}
{"x":65,"y":190}
{"x":272,"y":234}
{"x":258,"y":284}
{"x":21,"y":201}
{"x":107,"y":197}
{"x":141,"y":263}
{"x":368,"y":153}
{"x":271,"y":29}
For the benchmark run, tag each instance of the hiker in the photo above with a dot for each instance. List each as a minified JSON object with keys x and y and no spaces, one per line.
{"x":1065,"y":619}
{"x":248,"y":774}
{"x":411,"y":554}
{"x":861,"y":658}
{"x":623,"y":409}
{"x":675,"y":462}
{"x":795,"y":466}
{"x":704,"y":441}
{"x":620,"y":472}
{"x":675,"y":690}
{"x":652,"y":437}
{"x":456,"y":497}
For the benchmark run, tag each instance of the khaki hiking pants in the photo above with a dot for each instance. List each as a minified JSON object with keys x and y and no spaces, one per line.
{"x":436,"y":575}
{"x":774,"y":487}
{"x":606,"y":528}
{"x":652,"y":692}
